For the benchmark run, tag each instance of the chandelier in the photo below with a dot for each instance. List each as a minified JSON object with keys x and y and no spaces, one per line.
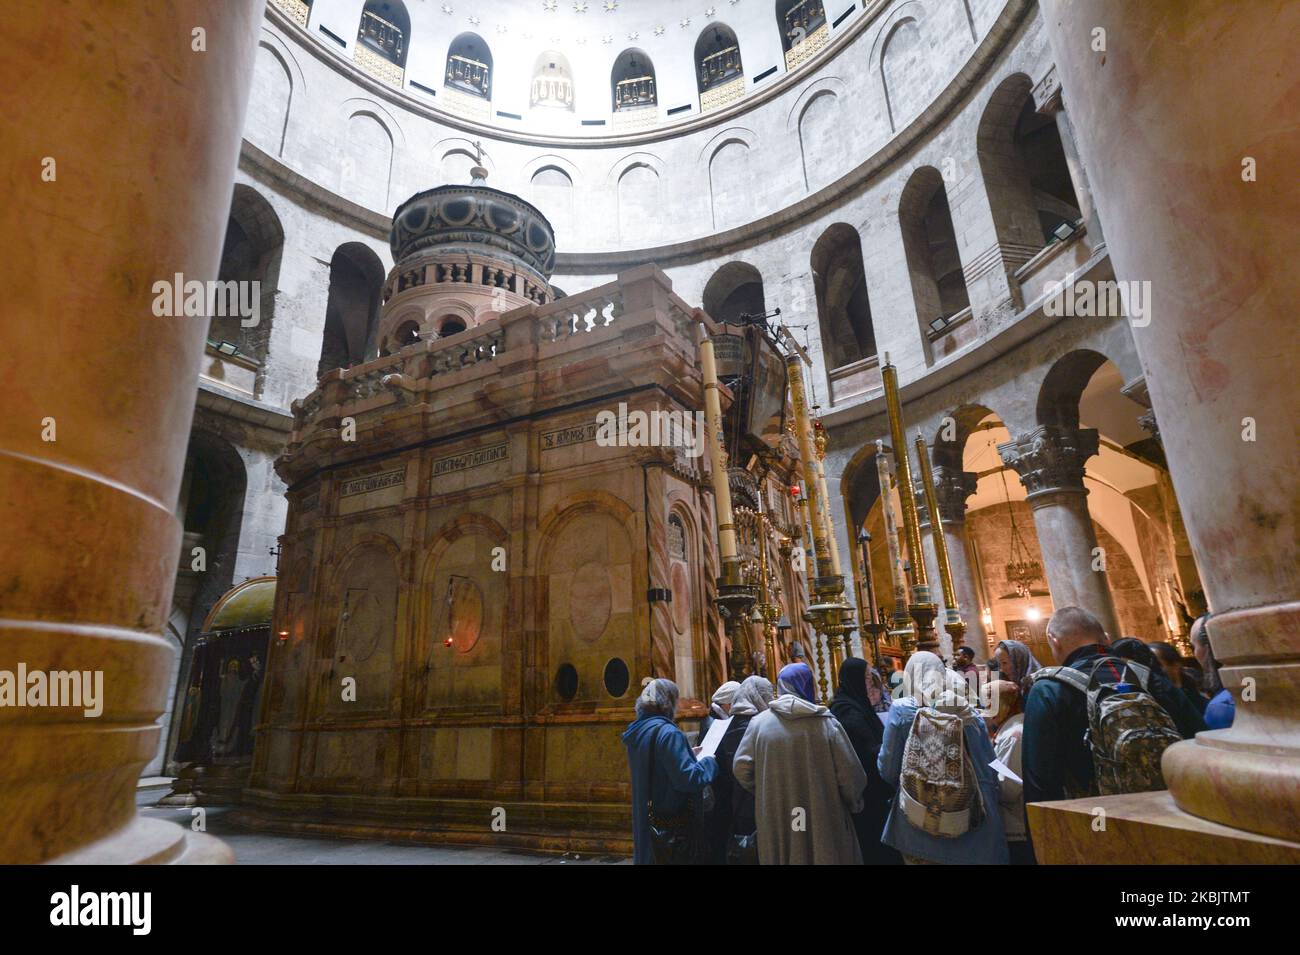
{"x":1022,"y":570}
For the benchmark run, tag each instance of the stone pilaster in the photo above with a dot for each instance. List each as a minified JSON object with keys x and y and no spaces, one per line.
{"x":952,"y":486}
{"x":1049,"y":101}
{"x":1049,"y":460}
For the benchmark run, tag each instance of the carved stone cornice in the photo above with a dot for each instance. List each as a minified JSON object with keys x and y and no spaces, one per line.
{"x":1050,"y":458}
{"x":952,"y":486}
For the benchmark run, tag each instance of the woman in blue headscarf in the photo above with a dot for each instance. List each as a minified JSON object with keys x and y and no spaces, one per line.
{"x":796,"y":678}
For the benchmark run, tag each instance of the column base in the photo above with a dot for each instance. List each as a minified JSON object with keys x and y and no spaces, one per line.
{"x":1145,"y":829}
{"x":151,"y":842}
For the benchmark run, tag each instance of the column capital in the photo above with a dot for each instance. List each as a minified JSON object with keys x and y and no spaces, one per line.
{"x":1050,"y":458}
{"x":952,"y":486}
{"x":1047,"y":93}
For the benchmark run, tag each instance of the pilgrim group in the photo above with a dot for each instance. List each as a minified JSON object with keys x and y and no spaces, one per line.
{"x":932,"y":765}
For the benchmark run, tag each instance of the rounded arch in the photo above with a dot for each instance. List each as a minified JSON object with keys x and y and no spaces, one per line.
{"x":843,"y":304}
{"x":251,"y":253}
{"x":930,"y":244}
{"x":733,"y":291}
{"x":1063,"y":385}
{"x":798,"y":20}
{"x":469,"y":66}
{"x":717,"y":57}
{"x":385,"y":30}
{"x":352,"y":309}
{"x":632,"y":81}
{"x":552,"y":86}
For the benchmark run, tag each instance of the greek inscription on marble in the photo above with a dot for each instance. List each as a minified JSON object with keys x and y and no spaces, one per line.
{"x":471,"y":459}
{"x":567,"y":436}
{"x":372,"y":482}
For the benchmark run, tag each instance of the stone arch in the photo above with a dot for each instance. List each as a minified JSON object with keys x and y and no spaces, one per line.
{"x":843,"y":304}
{"x":640,"y":194}
{"x":552,"y":83}
{"x":366,"y":175}
{"x":1063,"y":385}
{"x":632,"y":81}
{"x":552,"y":193}
{"x":251,"y":252}
{"x":930,"y":244}
{"x":462,"y":602}
{"x":903,"y":30}
{"x":730,"y":182}
{"x":272,"y":94}
{"x":735,"y":289}
{"x":361,"y":617}
{"x":588,"y":566}
{"x":1023,"y":165}
{"x":717,"y":57}
{"x":352,"y":309}
{"x":812,"y":118}
{"x":385,"y":30}
{"x":469,"y":66}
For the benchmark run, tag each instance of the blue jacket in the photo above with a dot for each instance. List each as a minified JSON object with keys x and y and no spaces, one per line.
{"x":985,"y":845}
{"x":1221,"y":711}
{"x":678,"y":776}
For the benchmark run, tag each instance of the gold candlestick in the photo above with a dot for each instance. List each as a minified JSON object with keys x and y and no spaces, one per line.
{"x":922,"y":609}
{"x":952,"y":621}
{"x":902,"y":621}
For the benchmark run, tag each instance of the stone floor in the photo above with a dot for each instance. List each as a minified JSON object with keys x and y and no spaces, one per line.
{"x":258,"y":848}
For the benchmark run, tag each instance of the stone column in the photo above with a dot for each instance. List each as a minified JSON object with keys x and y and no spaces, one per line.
{"x":1201,"y":131}
{"x":952,"y":486}
{"x":125,"y":138}
{"x":1050,"y":460}
{"x":1048,"y":101}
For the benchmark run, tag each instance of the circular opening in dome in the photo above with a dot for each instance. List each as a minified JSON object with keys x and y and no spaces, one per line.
{"x":617,"y":677}
{"x":451,"y":326}
{"x":566,"y":682}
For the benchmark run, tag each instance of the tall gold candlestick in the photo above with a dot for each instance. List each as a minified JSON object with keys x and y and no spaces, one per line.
{"x":897,"y":577}
{"x":718,"y":457}
{"x":808,"y":464}
{"x":922,"y":610}
{"x":952,"y":621}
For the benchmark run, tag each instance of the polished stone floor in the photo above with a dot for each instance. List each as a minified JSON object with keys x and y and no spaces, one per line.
{"x":258,"y":848}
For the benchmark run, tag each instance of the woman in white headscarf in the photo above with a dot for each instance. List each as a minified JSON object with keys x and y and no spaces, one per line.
{"x":936,"y":694}
{"x":719,"y":706}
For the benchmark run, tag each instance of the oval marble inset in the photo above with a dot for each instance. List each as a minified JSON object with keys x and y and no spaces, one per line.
{"x":590,"y":600}
{"x":465,"y":613}
{"x":681,"y":604}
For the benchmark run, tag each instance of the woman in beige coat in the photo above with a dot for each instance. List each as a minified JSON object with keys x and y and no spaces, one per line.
{"x":806,"y":779}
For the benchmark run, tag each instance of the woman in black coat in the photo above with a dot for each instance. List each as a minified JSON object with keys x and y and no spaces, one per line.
{"x":734,"y":806}
{"x":852,"y":707}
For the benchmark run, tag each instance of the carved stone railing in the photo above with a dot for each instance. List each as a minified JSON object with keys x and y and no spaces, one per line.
{"x":474,"y":270}
{"x":580,"y":314}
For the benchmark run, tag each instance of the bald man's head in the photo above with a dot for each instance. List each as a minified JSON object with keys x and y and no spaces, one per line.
{"x":1071,"y":628}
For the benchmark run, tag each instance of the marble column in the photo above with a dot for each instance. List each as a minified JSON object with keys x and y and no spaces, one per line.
{"x":1049,"y":460}
{"x":124,"y":126}
{"x":1192,"y":147}
{"x":952,"y":486}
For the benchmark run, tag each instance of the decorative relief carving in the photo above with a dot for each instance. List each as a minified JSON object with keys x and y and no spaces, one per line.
{"x":591,"y":601}
{"x":1051,"y":457}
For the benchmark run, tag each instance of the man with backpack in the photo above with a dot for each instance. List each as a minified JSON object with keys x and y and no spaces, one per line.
{"x":1095,"y":724}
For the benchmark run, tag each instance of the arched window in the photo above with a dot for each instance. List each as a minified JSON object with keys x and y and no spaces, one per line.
{"x":632,"y":82}
{"x":250,"y":259}
{"x":450,"y":325}
{"x":552,"y":82}
{"x":352,"y":310}
{"x":469,"y":66}
{"x":938,"y":282}
{"x":1025,"y":173}
{"x":382,"y":39}
{"x":734,"y":295}
{"x":843,"y":306}
{"x":408,"y":333}
{"x":803,"y":29}
{"x":719,"y":73}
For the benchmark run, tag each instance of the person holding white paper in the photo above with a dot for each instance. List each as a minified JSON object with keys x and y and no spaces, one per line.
{"x":1008,"y":718}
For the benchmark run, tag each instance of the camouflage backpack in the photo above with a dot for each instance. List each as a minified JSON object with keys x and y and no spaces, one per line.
{"x":1128,"y":731}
